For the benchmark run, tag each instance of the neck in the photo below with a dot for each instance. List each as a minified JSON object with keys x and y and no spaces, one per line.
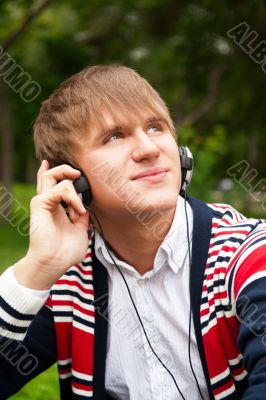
{"x":132,"y":241}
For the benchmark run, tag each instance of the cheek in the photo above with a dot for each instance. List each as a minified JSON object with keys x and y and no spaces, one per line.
{"x":97,"y":179}
{"x":170,"y":150}
{"x":174,"y":158}
{"x":168,"y":144}
{"x":103,"y":178}
{"x":101,"y":196}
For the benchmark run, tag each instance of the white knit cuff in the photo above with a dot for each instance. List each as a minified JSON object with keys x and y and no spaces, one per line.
{"x":17,"y":307}
{"x":41,"y":294}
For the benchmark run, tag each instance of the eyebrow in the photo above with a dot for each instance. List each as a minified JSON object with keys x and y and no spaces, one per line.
{"x":117,"y":128}
{"x":156,"y":119}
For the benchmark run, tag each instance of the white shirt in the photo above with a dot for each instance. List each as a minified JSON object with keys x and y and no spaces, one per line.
{"x":161,"y":296}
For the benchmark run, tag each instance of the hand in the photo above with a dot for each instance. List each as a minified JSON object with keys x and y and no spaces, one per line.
{"x":56,"y":241}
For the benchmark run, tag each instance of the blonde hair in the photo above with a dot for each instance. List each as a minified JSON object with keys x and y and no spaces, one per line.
{"x":78,"y":103}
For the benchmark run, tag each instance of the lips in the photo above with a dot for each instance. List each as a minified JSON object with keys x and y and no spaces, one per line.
{"x":150,"y":172}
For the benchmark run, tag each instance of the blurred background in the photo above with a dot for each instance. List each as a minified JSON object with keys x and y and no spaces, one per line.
{"x":207,"y":60}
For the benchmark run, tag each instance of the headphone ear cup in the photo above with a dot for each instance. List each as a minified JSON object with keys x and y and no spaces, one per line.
{"x":186,"y":162}
{"x":83,"y":188}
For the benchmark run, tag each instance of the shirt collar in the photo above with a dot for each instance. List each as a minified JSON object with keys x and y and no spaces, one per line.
{"x":173,"y":249}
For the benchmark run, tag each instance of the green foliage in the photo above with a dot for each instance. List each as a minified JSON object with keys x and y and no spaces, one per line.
{"x":175,"y":45}
{"x":207,"y":151}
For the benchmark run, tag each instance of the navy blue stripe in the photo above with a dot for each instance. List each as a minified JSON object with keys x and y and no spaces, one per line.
{"x":215,"y":284}
{"x":230,"y":213}
{"x":14,"y":313}
{"x":234,"y":228}
{"x":75,"y":317}
{"x":225,"y":307}
{"x":86,"y":263}
{"x":222,"y":381}
{"x":223,"y":258}
{"x":204,"y":300}
{"x":219,"y":259}
{"x":258,"y":240}
{"x":232,"y":240}
{"x":80,"y":381}
{"x":100,"y":277}
{"x":230,"y":282}
{"x":68,"y":365}
{"x":76,"y":273}
{"x":237,"y":366}
{"x":63,"y":293}
{"x":213,"y":315}
{"x":12,"y":328}
{"x":216,"y":214}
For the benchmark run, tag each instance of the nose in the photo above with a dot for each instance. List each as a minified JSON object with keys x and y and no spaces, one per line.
{"x":144,"y":147}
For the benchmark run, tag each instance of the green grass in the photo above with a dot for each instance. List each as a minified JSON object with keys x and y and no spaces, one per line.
{"x":45,"y":386}
{"x":13,"y":246}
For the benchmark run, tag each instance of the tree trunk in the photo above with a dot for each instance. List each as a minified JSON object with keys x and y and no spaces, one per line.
{"x":31,"y":170}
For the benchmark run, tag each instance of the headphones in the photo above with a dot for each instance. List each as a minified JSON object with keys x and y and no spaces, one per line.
{"x":83,"y":188}
{"x":187,"y":163}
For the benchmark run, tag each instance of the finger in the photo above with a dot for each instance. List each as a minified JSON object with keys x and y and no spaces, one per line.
{"x":62,"y":191}
{"x":73,"y":215}
{"x":43,"y":167}
{"x":77,"y":219}
{"x":51,"y":177}
{"x":82,"y":221}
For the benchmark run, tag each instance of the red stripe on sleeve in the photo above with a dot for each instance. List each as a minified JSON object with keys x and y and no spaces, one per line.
{"x":255,"y":262}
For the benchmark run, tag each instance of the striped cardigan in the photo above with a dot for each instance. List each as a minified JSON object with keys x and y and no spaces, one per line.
{"x":228,"y":297}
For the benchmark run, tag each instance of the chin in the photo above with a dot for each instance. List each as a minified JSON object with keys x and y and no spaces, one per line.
{"x":154,"y":202}
{"x":157,"y":214}
{"x":165,"y":202}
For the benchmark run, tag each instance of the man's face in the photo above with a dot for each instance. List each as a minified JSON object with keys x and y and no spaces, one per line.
{"x":113,"y":157}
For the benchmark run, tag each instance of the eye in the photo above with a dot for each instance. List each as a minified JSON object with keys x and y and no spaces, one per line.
{"x":113,"y":136}
{"x":154,"y":128}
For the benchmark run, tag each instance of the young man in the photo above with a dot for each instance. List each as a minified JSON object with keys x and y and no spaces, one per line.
{"x":165,"y":298}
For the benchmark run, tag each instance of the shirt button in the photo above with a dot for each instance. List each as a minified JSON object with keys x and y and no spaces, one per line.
{"x":141,"y":282}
